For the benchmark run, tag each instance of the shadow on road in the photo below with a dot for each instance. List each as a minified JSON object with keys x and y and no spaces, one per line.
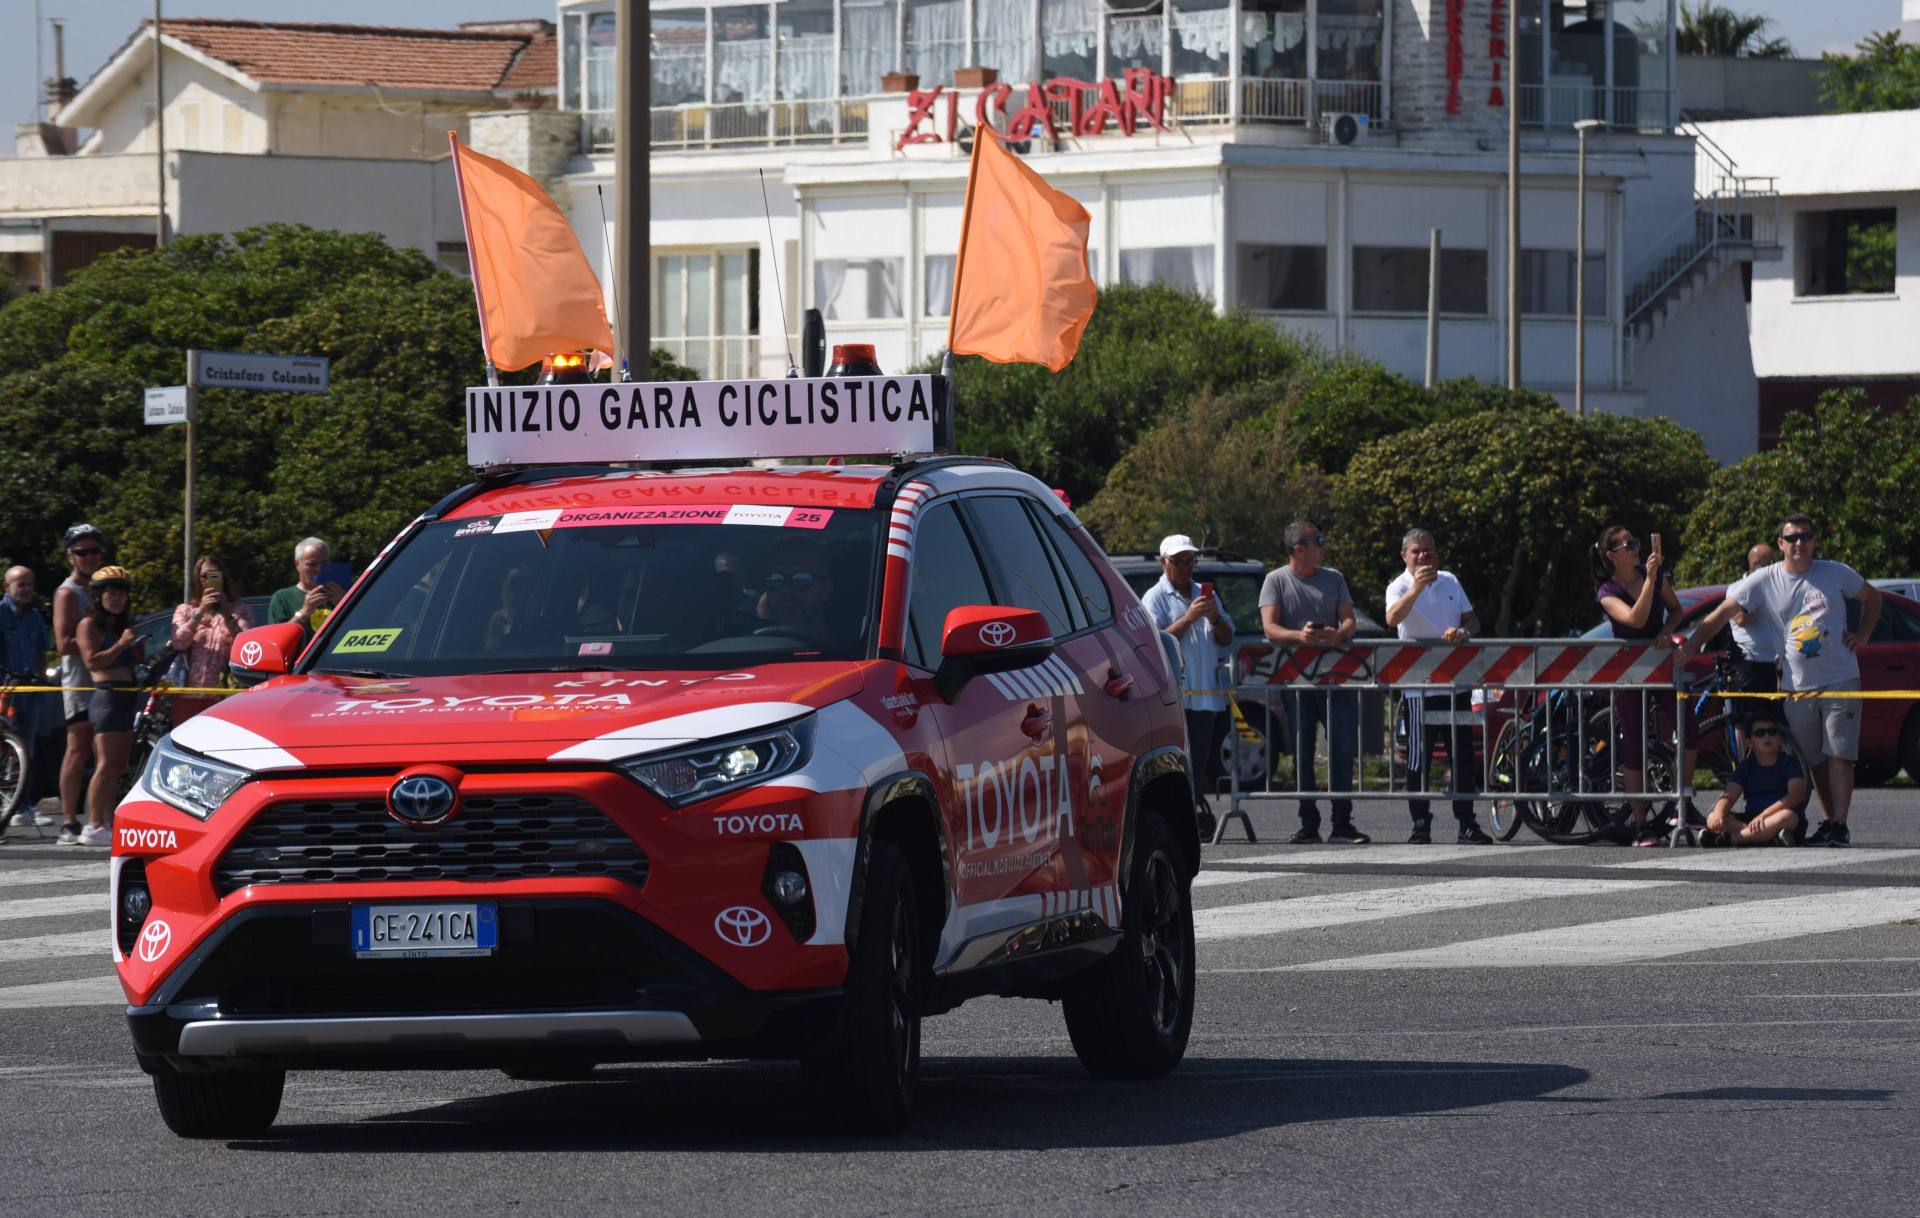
{"x":964,"y":1103}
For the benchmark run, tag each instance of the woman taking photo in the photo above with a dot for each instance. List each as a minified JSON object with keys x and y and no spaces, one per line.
{"x":204,"y":628}
{"x":108,"y":647}
{"x":1639,"y":601}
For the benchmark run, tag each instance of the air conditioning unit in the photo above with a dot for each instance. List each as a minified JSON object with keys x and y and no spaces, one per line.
{"x":1343,"y":128}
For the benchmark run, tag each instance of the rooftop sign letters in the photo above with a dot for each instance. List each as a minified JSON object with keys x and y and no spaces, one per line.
{"x":681,"y":420}
{"x":1139,"y":96}
{"x":1456,"y":51}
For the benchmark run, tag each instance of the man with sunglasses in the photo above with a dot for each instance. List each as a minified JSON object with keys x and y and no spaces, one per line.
{"x":86,"y":548}
{"x":1805,"y":599}
{"x":1188,"y":610}
{"x":797,"y":589}
{"x":1304,"y":604}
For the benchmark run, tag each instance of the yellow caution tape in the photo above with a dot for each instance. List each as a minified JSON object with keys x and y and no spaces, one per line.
{"x":197,"y":691}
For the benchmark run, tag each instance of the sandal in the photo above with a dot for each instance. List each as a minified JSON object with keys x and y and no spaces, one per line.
{"x":1650,"y":837}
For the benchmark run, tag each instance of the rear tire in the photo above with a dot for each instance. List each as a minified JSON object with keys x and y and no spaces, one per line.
{"x":1131,"y":1015}
{"x":16,"y":779}
{"x":218,"y":1105}
{"x":1504,"y":815}
{"x":870,"y":1077}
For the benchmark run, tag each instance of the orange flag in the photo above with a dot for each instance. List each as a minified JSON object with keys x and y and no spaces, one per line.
{"x":534,"y":288}
{"x":1021,"y":290}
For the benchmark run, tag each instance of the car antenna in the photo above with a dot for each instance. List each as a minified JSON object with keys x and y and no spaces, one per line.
{"x":780,"y":293}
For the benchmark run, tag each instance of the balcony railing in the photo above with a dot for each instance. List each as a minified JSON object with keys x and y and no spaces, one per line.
{"x":743,"y":124}
{"x":1561,"y":106}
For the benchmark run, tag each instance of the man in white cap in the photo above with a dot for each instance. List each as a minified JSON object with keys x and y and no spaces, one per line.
{"x":1191,"y":613}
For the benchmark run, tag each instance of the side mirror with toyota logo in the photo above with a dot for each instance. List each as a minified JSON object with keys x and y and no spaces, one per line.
{"x":265,"y":651}
{"x":981,"y":639}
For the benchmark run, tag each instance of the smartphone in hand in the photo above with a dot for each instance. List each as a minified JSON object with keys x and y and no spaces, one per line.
{"x":1206,"y":589}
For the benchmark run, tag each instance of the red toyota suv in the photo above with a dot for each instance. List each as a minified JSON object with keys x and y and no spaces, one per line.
{"x":602,"y":765}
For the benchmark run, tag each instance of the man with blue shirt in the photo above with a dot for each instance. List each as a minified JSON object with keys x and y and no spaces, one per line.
{"x":24,"y":643}
{"x":1192,"y":615}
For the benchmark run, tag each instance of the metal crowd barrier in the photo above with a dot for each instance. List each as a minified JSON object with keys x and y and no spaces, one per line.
{"x":1549,"y":726}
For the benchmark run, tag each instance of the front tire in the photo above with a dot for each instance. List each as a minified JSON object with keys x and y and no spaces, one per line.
{"x":218,"y":1105}
{"x":871,"y":1076}
{"x":1131,"y":1015}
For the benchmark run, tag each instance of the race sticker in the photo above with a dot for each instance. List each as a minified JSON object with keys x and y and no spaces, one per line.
{"x":475,"y":528}
{"x":692,"y":513}
{"x":596,"y":649}
{"x":527,"y":522}
{"x":367,"y":640}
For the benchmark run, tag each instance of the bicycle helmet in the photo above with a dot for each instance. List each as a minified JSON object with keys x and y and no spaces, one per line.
{"x":80,"y":531}
{"x":112,"y":577}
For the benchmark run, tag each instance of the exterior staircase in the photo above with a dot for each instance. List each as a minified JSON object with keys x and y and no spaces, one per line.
{"x":1736,"y":218}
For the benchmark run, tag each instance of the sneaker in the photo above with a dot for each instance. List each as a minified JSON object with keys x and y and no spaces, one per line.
{"x":1473,"y":835}
{"x":1650,"y":837}
{"x":1789,"y":836}
{"x":1422,"y":832}
{"x":1839,"y":836}
{"x":1206,"y":822}
{"x":69,"y":836}
{"x":1305,"y":837}
{"x":28,"y":818}
{"x":1820,"y":836}
{"x":1709,"y":840}
{"x":96,"y":835}
{"x":1347,"y":835}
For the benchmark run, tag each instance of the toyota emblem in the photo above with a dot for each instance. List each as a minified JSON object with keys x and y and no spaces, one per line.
{"x":997,"y":634}
{"x":250,"y":653}
{"x":742,"y":926}
{"x":421,"y":800}
{"x":155,"y":937}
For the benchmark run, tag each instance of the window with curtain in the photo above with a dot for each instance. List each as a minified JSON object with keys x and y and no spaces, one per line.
{"x":938,"y":277}
{"x":573,"y":36}
{"x":1273,"y":39}
{"x":804,"y":36}
{"x":858,"y":289}
{"x":1350,"y":38}
{"x":1003,"y":38}
{"x":706,"y":309}
{"x":1547,"y":281}
{"x":742,"y":54}
{"x":936,"y":39}
{"x":1389,"y":279}
{"x":678,"y":57}
{"x":1069,"y":38}
{"x":1282,"y":277}
{"x":868,"y":33}
{"x":1182,"y":266}
{"x":600,"y":61}
{"x":1201,"y":29}
{"x":1136,"y":36}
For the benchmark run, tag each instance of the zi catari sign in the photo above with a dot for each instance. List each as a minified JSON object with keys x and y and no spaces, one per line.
{"x":1139,"y":96}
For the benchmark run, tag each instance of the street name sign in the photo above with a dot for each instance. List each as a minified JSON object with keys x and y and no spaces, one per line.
{"x":167,"y":404}
{"x":281,"y":373}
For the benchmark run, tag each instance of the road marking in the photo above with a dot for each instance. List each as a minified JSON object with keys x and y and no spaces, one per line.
{"x":1757,"y":859}
{"x":1341,"y":909}
{"x":97,"y":872}
{"x":46,"y":907}
{"x":1653,"y":935}
{"x":1208,"y":879}
{"x":50,"y":947}
{"x":86,"y":992}
{"x":1397,"y":855}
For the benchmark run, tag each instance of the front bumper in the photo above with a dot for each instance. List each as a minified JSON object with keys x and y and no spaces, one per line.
{"x":278,"y":986}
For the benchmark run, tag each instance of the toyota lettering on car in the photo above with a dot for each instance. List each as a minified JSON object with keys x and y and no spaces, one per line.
{"x":600,"y":764}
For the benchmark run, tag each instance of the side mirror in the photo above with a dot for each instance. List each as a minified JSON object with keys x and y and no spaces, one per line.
{"x":980,"y":639}
{"x":265,"y":651}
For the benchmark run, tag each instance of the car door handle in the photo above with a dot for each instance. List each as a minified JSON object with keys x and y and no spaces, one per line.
{"x":1037,"y":721}
{"x":1118,"y":685}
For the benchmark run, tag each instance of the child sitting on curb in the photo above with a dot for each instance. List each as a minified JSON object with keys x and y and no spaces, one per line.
{"x":1775,"y":789}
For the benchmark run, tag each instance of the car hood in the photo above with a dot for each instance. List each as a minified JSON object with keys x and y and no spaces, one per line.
{"x":301,"y":722}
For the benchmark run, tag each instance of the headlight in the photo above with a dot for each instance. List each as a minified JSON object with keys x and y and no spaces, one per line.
{"x":189,"y":781}
{"x":690,"y":775}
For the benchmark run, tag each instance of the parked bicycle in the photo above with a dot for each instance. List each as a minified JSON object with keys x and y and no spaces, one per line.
{"x":16,"y":769}
{"x":1568,"y":741}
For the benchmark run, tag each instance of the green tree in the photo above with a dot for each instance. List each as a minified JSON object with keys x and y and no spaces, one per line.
{"x":1715,"y":29}
{"x":1854,"y":469}
{"x":1335,"y":408}
{"x":1146,"y":351}
{"x":1885,"y":75}
{"x":1515,"y":499}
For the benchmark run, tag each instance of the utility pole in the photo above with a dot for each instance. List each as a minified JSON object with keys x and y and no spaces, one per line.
{"x":159,"y":140}
{"x":1583,"y":127}
{"x":1433,"y":308}
{"x":193,"y":421}
{"x":1513,"y":192}
{"x":632,"y":134}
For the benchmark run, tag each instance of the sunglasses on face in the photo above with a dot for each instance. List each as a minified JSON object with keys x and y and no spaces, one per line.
{"x":88,"y":552}
{"x":799,"y":581}
{"x":1758,"y":732}
{"x":1319,"y":539}
{"x":1794,"y":539}
{"x":1625,"y":543}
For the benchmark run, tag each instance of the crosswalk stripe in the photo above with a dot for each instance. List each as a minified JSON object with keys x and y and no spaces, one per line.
{"x":43,"y":907}
{"x":1398,"y":855}
{"x":56,"y":875}
{"x":1379,"y":904}
{"x":1208,"y":879}
{"x":1756,"y":860}
{"x":1651,"y":936}
{"x":50,"y":947}
{"x":86,"y":992}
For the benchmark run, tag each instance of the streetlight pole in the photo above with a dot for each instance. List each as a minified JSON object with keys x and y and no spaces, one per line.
{"x":1513,"y":192}
{"x":632,"y":212}
{"x":159,"y":138}
{"x":1583,"y":127}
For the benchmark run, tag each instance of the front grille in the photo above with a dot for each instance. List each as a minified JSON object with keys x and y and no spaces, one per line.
{"x":493,"y":837}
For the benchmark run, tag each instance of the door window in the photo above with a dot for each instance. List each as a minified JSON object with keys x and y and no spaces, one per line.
{"x":946,"y":575}
{"x":1025,"y":577}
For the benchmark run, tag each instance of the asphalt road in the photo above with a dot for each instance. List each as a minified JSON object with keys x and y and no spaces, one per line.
{"x":1381,"y":1030}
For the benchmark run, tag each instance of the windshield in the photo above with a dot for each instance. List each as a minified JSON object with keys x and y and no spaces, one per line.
{"x":592,"y":591}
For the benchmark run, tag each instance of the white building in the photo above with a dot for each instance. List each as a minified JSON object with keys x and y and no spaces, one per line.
{"x":1239,"y":190}
{"x":337,"y":126}
{"x":1842,"y":307}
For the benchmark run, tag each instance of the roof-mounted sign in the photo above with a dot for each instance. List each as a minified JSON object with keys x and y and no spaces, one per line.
{"x":703,"y":420}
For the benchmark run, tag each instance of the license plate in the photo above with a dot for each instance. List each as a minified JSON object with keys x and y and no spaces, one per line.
{"x":414,"y":931}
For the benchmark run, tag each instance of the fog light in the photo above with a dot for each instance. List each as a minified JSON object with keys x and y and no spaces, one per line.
{"x":136,"y":902}
{"x":135,"y":905}
{"x":789,"y":887}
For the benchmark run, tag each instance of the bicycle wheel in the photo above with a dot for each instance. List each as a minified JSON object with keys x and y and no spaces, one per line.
{"x":1503,"y":774}
{"x":1551,"y":760}
{"x":1611,"y":819}
{"x":16,"y":779}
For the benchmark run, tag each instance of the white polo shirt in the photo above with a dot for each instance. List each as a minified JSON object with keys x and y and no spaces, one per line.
{"x":1439,"y":609}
